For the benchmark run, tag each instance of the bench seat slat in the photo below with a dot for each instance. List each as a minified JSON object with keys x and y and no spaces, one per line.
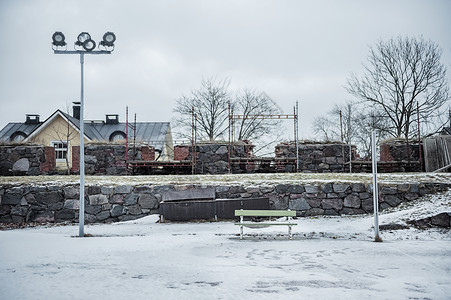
{"x":265,"y":224}
{"x":265,"y":213}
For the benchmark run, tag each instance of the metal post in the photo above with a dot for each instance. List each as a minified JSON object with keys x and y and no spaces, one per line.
{"x":126,"y":139}
{"x":350,"y":156}
{"x":230,"y":148}
{"x":81,"y":218}
{"x":297,"y":136}
{"x":377,"y":238}
{"x":419,"y":138}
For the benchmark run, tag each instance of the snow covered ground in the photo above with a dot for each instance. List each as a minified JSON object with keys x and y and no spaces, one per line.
{"x":328,"y":258}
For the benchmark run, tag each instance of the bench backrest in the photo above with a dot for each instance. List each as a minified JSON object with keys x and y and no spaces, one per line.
{"x":265,"y":213}
{"x":192,"y":194}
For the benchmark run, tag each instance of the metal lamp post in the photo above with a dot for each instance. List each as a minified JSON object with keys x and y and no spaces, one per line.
{"x":83,"y":45}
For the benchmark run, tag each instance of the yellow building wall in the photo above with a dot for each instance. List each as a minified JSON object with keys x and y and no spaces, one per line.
{"x":59,"y":130}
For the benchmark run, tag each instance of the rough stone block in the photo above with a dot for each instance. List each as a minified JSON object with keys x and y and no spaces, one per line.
{"x":106,"y":190}
{"x":12,"y":199}
{"x":117,"y":210}
{"x":117,"y":199}
{"x":148,"y":201}
{"x":295,"y":189}
{"x":265,"y":189}
{"x":312,"y":189}
{"x":70,"y":192}
{"x":441,"y":220}
{"x":65,"y":214}
{"x":19,"y":211}
{"x":340,"y":188}
{"x":358,"y":187}
{"x":103,"y":215}
{"x":299,"y":204}
{"x":386,"y":190}
{"x":131,"y":199}
{"x":93,"y":209}
{"x":281,"y":188}
{"x":42,"y":217}
{"x":22,"y":165}
{"x":72,"y":204}
{"x":352,"y":201}
{"x":392,"y":200}
{"x":123,"y":189}
{"x":327,"y":188}
{"x":98,"y":199}
{"x":336,"y":204}
{"x":134,"y":210}
{"x":49,"y":197}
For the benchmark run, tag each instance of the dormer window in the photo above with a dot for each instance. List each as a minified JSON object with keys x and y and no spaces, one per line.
{"x":117,"y":136}
{"x":18,"y":136}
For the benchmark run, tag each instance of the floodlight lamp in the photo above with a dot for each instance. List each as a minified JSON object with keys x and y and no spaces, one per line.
{"x":58,"y":39}
{"x":89,"y":45}
{"x":82,"y":37}
{"x":108,"y":39}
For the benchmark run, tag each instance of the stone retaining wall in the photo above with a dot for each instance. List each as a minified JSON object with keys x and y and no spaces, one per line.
{"x":316,"y":158}
{"x":213,"y":158}
{"x":109,"y":159}
{"x":27,"y":160}
{"x":59,"y":203}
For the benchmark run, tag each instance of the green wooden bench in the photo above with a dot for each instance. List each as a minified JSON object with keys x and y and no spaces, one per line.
{"x":265,"y":213}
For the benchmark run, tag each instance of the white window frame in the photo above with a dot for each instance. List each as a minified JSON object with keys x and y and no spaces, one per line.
{"x":60,"y":150}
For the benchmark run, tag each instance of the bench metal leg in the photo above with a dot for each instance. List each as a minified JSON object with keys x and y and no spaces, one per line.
{"x":241,"y":232}
{"x":289,"y":232}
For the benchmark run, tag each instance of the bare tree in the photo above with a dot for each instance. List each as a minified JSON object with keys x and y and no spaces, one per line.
{"x":326,"y":128}
{"x":253,"y":107}
{"x":210,"y":104}
{"x":401,"y":73}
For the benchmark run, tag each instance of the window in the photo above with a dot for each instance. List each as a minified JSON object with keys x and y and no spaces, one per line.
{"x":18,"y":136}
{"x":61,"y":150}
{"x":117,"y":136}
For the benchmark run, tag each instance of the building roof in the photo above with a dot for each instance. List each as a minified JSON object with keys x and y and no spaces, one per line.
{"x":11,"y":128}
{"x":151,"y":133}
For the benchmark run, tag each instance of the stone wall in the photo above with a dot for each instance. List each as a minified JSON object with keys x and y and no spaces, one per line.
{"x":27,"y":160}
{"x":103,"y":203}
{"x":316,"y":158}
{"x":397,"y":150}
{"x":213,"y":158}
{"x":109,"y":159}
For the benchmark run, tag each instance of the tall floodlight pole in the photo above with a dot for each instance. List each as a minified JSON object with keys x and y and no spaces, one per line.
{"x":83,"y":45}
{"x":377,"y":238}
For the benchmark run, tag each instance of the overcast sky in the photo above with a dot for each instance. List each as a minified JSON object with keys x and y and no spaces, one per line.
{"x":292,"y":50}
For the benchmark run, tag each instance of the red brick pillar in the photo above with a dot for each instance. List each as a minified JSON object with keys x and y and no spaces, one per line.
{"x":181,"y":152}
{"x":75,"y":159}
{"x":148,"y":153}
{"x":50,"y":160}
{"x":385,"y":153}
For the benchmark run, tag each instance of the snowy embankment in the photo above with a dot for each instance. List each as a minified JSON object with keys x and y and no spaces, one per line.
{"x":234,"y":179}
{"x":329,"y":258}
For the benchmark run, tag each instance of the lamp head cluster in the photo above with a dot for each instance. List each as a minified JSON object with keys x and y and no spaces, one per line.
{"x":84,"y":41}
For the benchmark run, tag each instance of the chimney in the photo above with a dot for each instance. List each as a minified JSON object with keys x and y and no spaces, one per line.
{"x":112,"y":119}
{"x":32,"y":119}
{"x":76,"y":110}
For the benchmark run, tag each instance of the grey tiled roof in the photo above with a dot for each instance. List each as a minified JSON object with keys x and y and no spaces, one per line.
{"x":11,"y":128}
{"x":152,"y":133}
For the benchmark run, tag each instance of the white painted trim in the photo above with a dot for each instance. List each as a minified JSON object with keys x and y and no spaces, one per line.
{"x":49,"y":121}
